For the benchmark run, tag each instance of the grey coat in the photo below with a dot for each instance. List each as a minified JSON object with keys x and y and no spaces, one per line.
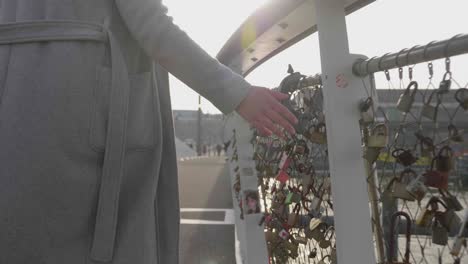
{"x":87,"y":159}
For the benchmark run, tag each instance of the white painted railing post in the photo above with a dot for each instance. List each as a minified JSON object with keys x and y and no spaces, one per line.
{"x":342,"y":92}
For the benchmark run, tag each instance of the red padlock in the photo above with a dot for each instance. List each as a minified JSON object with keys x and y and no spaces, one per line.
{"x":435,"y":178}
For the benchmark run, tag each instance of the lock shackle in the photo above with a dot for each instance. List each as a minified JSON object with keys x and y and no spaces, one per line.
{"x":438,"y":95}
{"x":329,"y":232}
{"x":325,"y":257}
{"x":448,"y":151}
{"x":447,"y":76}
{"x":459,"y":96}
{"x":453,"y":131}
{"x":380,"y":127}
{"x":434,"y":201}
{"x":297,"y":209}
{"x":408,"y":236}
{"x":411,"y":85}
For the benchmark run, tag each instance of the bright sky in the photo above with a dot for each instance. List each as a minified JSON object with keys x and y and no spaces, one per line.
{"x":384,"y":26}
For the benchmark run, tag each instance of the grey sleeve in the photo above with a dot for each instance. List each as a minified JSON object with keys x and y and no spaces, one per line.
{"x":174,"y":50}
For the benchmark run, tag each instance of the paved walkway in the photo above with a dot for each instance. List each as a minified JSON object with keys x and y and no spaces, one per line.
{"x":207,"y":229}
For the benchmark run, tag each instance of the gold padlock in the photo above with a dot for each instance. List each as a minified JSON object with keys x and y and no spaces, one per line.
{"x":424,"y":218}
{"x":378,"y":137}
{"x":317,"y":134}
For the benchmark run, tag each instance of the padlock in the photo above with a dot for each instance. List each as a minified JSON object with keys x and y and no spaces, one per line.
{"x":404,"y":157}
{"x":450,"y":200}
{"x":399,"y":185}
{"x":444,"y":159}
{"x":322,"y":261}
{"x":417,"y":188}
{"x":460,"y":240}
{"x":366,"y":108}
{"x":406,"y":100}
{"x":426,"y":215}
{"x":317,"y":134}
{"x":293,"y":218}
{"x":316,"y":229}
{"x":430,"y":111}
{"x":393,"y":259}
{"x":449,"y":219}
{"x":378,"y":137}
{"x":426,"y":145}
{"x":445,"y":84}
{"x":435,"y":178}
{"x":315,"y":206}
{"x":462,"y":98}
{"x":371,"y":154}
{"x":454,"y":134}
{"x":326,"y":242}
{"x":313,"y":253}
{"x":301,"y":148}
{"x":439,"y":234}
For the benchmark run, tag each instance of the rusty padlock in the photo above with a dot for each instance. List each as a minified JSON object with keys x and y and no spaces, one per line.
{"x":394,"y":259}
{"x":462,"y":98}
{"x":444,"y":159}
{"x":435,"y":178}
{"x":404,"y":156}
{"x":318,"y":134}
{"x":430,"y":111}
{"x":406,"y":100}
{"x":378,"y":137}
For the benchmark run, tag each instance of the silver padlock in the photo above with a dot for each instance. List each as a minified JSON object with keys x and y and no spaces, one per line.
{"x":378,"y":137}
{"x":417,"y":188}
{"x":439,"y":234}
{"x":406,"y":100}
{"x":429,"y":110}
{"x":366,"y":108}
{"x":462,"y":97}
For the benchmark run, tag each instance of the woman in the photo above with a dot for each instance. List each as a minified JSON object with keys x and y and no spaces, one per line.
{"x":87,"y":160}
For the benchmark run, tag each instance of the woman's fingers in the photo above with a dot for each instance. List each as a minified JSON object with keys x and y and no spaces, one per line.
{"x":261,"y":129}
{"x":282,"y":110}
{"x":280,"y":120}
{"x":279,"y":96}
{"x":268,"y":124}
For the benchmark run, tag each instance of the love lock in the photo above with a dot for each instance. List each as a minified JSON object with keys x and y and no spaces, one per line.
{"x":439,"y":234}
{"x":417,"y":188}
{"x":430,"y":111}
{"x":393,"y":259}
{"x":400,"y":183}
{"x":428,"y":213}
{"x":444,"y":159}
{"x":450,"y":200}
{"x":435,"y":178}
{"x":378,"y":137}
{"x":316,"y":229}
{"x":445,"y":84}
{"x":449,"y":218}
{"x":317,"y":134}
{"x":326,"y":242}
{"x":426,"y":145}
{"x":406,"y":100}
{"x":454,"y":134}
{"x":367,"y":110}
{"x":404,"y":157}
{"x":462,"y":97}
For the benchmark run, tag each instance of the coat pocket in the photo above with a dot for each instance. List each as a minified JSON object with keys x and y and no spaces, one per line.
{"x":140,"y":124}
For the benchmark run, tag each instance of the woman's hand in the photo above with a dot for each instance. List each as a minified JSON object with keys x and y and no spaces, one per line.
{"x":263,"y":110}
